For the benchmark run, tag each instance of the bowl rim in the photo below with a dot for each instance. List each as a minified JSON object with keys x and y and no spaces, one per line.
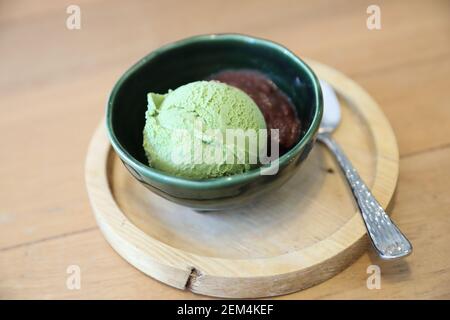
{"x":250,"y":175}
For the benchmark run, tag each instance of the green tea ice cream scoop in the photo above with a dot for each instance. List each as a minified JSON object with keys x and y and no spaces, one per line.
{"x":186,"y":130}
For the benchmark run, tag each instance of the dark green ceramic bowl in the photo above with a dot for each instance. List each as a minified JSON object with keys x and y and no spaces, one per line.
{"x":194,"y":59}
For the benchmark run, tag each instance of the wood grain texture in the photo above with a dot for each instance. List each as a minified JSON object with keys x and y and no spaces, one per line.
{"x":293,"y":238}
{"x":54,"y":83}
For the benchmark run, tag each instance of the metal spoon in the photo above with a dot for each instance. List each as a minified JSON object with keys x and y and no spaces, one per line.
{"x":387,"y":239}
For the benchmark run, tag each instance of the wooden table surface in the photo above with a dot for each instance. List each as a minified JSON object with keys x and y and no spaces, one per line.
{"x":54,"y":83}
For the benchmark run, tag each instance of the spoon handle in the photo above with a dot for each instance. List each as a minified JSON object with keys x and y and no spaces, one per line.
{"x":387,"y":239}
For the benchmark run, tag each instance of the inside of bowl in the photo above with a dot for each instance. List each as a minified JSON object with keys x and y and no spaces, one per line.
{"x":196,"y":60}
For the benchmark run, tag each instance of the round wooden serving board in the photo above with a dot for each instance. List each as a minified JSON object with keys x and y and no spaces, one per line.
{"x":300,"y":235}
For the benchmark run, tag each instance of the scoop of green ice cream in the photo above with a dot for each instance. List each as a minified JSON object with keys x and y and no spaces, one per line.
{"x":186,"y":132}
